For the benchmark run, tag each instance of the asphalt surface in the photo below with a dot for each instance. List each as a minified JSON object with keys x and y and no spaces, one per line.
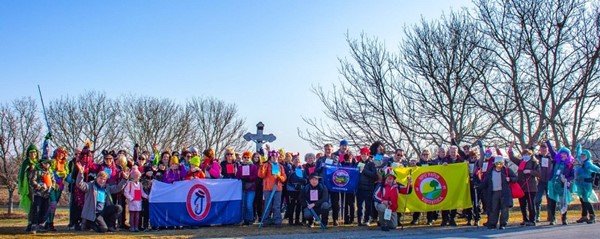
{"x":547,"y":232}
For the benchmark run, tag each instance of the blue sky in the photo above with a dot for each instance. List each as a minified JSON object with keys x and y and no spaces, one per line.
{"x":263,"y":56}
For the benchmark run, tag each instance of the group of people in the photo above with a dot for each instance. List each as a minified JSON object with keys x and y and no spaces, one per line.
{"x":101,"y":191}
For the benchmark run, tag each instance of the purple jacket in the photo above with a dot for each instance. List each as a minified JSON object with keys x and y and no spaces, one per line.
{"x":249,"y":181}
{"x":174,"y":175}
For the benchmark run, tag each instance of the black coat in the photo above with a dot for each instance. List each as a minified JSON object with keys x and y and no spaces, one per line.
{"x":368,"y":177}
{"x":487,"y":188}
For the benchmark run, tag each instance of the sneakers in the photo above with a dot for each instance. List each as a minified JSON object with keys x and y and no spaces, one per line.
{"x":335,"y":223}
{"x":429,"y":222}
{"x":502,"y":227}
{"x":414,"y":222}
{"x":529,"y":224}
{"x":592,"y":219}
{"x":582,"y":220}
{"x":444,"y":223}
{"x":33,"y":229}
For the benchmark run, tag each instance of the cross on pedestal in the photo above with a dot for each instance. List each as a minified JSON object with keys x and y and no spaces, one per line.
{"x":259,"y":138}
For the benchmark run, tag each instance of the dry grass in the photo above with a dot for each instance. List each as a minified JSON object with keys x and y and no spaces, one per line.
{"x":13,"y":227}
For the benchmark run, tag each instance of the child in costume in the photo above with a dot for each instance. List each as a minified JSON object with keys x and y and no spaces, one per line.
{"x":134,"y":193}
{"x":583,"y":185}
{"x":60,"y":169}
{"x":42,"y":182}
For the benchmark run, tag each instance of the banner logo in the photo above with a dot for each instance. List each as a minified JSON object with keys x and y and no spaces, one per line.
{"x":198,"y":202}
{"x":341,"y":178}
{"x":431,"y":188}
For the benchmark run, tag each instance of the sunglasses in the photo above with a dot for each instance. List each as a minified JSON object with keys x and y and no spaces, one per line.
{"x":228,"y":154}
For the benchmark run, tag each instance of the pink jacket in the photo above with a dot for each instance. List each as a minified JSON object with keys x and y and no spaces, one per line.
{"x":135,"y":204}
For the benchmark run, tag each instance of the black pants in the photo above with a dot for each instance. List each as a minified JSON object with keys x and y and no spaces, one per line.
{"x":474,"y":213}
{"x":364,"y":197}
{"x":586,"y":208}
{"x":145,"y":215}
{"x":322,"y":213}
{"x":74,"y":213}
{"x":39,"y":209}
{"x":431,"y":216}
{"x":107,"y":217}
{"x":349,"y":201}
{"x":527,"y":205}
{"x":335,"y":205}
{"x":497,"y":211}
{"x":294,"y":206}
{"x":552,"y":211}
{"x":448,"y":215}
{"x":258,"y":203}
{"x":119,"y":199}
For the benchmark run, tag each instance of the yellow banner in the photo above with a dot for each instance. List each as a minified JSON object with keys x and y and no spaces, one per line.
{"x":435,"y":188}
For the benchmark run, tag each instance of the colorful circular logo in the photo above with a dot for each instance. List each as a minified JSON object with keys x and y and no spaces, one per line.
{"x":198,"y":202}
{"x":340,"y":178}
{"x":431,"y":188}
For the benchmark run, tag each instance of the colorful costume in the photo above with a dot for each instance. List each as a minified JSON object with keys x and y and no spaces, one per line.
{"x":583,"y":185}
{"x":60,"y":169}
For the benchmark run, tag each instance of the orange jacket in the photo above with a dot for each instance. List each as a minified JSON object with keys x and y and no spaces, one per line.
{"x":269,"y":179}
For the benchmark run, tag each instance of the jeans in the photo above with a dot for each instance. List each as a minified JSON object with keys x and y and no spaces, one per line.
{"x":275,"y":207}
{"x":248,"y":205}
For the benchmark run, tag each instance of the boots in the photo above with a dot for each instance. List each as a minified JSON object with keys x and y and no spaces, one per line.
{"x":592,"y":219}
{"x":33,"y":229}
{"x":564,"y":219}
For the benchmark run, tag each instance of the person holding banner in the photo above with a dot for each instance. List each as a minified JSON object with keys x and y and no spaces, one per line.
{"x":386,"y":199}
{"x":195,"y":171}
{"x":330,"y":159}
{"x":364,"y":195}
{"x":498,"y":193}
{"x":425,"y":161}
{"x":248,"y":173}
{"x":527,"y":173}
{"x":349,"y":198}
{"x":228,"y":166}
{"x":315,"y":199}
{"x":448,"y":216}
{"x":134,"y":194}
{"x":274,"y":177}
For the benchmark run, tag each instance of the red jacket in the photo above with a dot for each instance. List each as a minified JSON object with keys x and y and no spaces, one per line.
{"x":390,"y":193}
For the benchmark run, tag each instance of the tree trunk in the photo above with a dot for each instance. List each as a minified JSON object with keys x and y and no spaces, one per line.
{"x":10,"y":201}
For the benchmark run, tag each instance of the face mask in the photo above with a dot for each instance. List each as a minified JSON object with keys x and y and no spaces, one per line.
{"x":487,"y":155}
{"x":526,"y":157}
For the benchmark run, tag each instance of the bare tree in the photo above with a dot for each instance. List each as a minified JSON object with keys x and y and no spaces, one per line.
{"x":215,"y":124}
{"x":19,"y":127}
{"x":441,"y":62}
{"x":545,"y":71}
{"x":148,"y":121}
{"x":65,"y":119}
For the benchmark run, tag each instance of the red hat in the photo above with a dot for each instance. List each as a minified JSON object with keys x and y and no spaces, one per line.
{"x":365,"y":150}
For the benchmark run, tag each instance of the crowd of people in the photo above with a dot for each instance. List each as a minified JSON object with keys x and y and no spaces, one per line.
{"x":100,"y":192}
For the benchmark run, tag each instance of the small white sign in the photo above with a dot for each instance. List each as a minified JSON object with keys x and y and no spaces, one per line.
{"x":314,"y":195}
{"x":246,"y":170}
{"x":545,"y":162}
{"x":387,"y":215}
{"x":485,"y":167}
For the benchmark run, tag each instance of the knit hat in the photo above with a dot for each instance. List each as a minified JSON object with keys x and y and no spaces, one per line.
{"x":498,"y":159}
{"x":174,"y":160}
{"x":195,"y":161}
{"x":488,"y":153}
{"x":365,"y":151}
{"x":564,"y":150}
{"x":343,"y":142}
{"x":135,"y":172}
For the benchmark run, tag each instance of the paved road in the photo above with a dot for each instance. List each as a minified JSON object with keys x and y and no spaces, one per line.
{"x":578,"y":231}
